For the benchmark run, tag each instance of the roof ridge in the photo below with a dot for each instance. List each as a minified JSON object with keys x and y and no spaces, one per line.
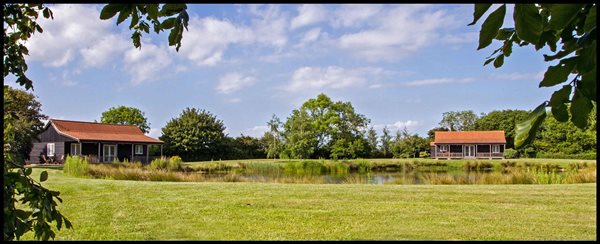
{"x":97,"y":123}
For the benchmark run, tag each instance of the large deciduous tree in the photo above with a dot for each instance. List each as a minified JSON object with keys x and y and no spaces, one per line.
{"x":458,"y":120}
{"x":572,"y":27}
{"x":123,"y":115}
{"x":28,"y":118}
{"x":329,"y":124}
{"x":194,"y":135}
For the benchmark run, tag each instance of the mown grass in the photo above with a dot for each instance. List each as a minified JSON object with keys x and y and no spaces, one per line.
{"x":144,"y":210}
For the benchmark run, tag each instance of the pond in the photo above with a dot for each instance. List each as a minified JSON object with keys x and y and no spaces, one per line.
{"x":412,"y":177}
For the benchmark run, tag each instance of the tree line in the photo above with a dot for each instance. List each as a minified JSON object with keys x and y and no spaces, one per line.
{"x":319,"y":128}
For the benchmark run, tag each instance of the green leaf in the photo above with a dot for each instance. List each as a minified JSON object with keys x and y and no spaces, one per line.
{"x":507,"y":48}
{"x":499,"y":61}
{"x":68,"y":224}
{"x":558,"y":100}
{"x":525,"y":131}
{"x":558,"y":74}
{"x":590,"y":20}
{"x":580,"y":109}
{"x":563,"y":14}
{"x":134,"y":17}
{"x":125,"y":12}
{"x":528,"y":22}
{"x":173,"y":35}
{"x":28,"y":171}
{"x":587,"y":58}
{"x":152,"y":11}
{"x":480,"y":9}
{"x":168,"y":23}
{"x":109,"y":11}
{"x":46,"y":13}
{"x":488,"y":61}
{"x":135,"y":37}
{"x":504,"y":33}
{"x":43,"y":176}
{"x":587,"y":86}
{"x":39,"y":28}
{"x":490,"y":27}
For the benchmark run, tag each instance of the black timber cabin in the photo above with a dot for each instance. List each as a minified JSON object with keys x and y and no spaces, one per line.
{"x":96,"y":141}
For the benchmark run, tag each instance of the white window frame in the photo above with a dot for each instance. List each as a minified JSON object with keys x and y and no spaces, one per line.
{"x":495,"y":148}
{"x":443,"y":148}
{"x":50,"y":149}
{"x":139,"y":149}
{"x":109,"y":157}
{"x":75,"y":148}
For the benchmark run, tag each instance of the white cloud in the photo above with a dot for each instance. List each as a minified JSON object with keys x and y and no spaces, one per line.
{"x":437,"y":81}
{"x":469,"y":37}
{"x":75,"y":29}
{"x":270,"y":27}
{"x":232,"y":82}
{"x":410,"y":125}
{"x":103,"y":50}
{"x":519,"y":76}
{"x":350,"y":15}
{"x":256,"y":131}
{"x":308,"y":14}
{"x":399,"y":32}
{"x":310,"y":36}
{"x":331,"y":77}
{"x":233,"y":100}
{"x":374,"y":86}
{"x":208,"y":38}
{"x":154,"y":132}
{"x":146,"y":64}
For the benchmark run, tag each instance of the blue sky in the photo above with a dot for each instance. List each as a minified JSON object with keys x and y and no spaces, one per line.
{"x":401,"y":65}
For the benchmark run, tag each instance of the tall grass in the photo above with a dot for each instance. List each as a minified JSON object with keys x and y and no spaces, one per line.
{"x":76,"y":166}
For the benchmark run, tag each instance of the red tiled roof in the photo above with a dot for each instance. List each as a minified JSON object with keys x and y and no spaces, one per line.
{"x":89,"y":131}
{"x":496,"y":136}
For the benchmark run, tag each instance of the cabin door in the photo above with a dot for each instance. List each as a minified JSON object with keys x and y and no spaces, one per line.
{"x":469,"y":151}
{"x":110,"y":151}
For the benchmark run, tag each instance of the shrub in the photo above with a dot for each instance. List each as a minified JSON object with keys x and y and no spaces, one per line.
{"x":511,"y":153}
{"x":76,"y":166}
{"x":424,"y":154}
{"x":159,"y":163}
{"x":364,"y":165}
{"x":174,"y":164}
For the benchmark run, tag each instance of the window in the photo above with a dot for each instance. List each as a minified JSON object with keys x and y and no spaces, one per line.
{"x":75,"y":149}
{"x":443,"y":148}
{"x":495,"y":148}
{"x":109,"y":151}
{"x":50,"y":149}
{"x":139,"y":149}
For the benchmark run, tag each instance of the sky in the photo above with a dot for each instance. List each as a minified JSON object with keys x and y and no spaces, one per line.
{"x":400,"y":65}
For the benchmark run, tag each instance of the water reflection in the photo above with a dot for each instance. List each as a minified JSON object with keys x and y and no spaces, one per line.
{"x":374,"y":177}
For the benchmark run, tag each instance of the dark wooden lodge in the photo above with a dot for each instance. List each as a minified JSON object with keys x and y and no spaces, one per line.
{"x":96,"y":141}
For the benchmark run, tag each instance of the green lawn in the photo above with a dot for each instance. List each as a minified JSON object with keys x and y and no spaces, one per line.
{"x":130,"y":210}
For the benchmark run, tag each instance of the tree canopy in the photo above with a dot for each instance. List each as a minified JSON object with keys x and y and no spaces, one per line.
{"x":123,"y":115}
{"x":458,"y":120}
{"x":194,"y":135}
{"x":572,"y":27}
{"x":323,"y":128}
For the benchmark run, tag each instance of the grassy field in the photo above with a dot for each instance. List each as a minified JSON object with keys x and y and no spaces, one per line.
{"x":142,"y":210}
